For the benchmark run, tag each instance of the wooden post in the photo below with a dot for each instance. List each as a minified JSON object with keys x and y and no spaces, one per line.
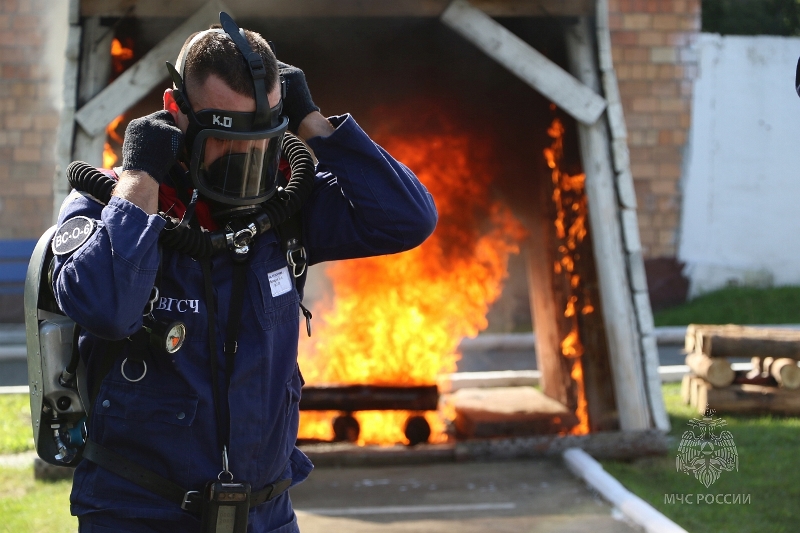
{"x":95,"y":71}
{"x":615,"y":293}
{"x":546,"y":309}
{"x":66,"y":128}
{"x":580,"y":101}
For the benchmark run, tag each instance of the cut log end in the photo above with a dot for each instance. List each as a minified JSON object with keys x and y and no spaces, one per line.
{"x":716,"y":371}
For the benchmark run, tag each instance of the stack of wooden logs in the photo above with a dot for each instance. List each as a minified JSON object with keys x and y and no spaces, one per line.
{"x":773,"y":384}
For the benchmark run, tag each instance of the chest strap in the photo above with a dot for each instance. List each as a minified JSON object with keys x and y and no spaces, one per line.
{"x":191,"y":501}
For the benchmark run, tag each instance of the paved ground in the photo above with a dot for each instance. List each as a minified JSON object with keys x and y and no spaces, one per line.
{"x":516,"y":496}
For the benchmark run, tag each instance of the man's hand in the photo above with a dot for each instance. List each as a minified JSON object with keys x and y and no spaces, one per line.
{"x":151,"y":145}
{"x":298,"y":103}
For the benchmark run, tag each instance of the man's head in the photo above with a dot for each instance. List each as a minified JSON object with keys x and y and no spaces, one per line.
{"x":227,"y":101}
{"x":214,"y":56}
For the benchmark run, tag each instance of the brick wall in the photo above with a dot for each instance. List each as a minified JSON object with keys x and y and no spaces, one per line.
{"x":655,"y":65}
{"x":28,"y":120}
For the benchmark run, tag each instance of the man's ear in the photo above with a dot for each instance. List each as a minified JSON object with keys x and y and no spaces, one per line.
{"x":171,"y":105}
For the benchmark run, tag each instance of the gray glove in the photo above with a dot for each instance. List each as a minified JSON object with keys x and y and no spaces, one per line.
{"x":152,"y":144}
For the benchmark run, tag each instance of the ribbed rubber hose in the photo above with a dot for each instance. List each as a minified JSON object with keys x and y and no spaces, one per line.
{"x":199,"y":244}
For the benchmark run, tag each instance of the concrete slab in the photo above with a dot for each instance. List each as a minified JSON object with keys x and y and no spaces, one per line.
{"x":531,"y":495}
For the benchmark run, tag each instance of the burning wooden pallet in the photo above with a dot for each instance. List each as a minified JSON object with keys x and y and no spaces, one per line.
{"x":347,"y":399}
{"x":773,"y":384}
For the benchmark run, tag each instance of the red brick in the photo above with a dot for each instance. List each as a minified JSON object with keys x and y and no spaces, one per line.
{"x":623,"y":72}
{"x":16,"y":72}
{"x":636,"y":55}
{"x":650,"y":38}
{"x":27,"y":154}
{"x":673,"y":104}
{"x":678,"y":39}
{"x":689,"y":23}
{"x":638,"y":121}
{"x":661,"y":121}
{"x":637,"y":21}
{"x":667,"y":170}
{"x":645,"y":104}
{"x":624,"y":37}
{"x":46,"y":121}
{"x":26,"y":22}
{"x":667,"y":22}
{"x":18,"y":122}
{"x":665,"y":89}
{"x":32,"y":138}
{"x":643,"y":170}
{"x":9,"y":6}
{"x":668,"y":72}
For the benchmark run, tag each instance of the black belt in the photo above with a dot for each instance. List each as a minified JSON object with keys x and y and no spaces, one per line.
{"x":191,"y":500}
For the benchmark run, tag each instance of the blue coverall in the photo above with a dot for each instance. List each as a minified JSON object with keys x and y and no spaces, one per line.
{"x":364,"y":203}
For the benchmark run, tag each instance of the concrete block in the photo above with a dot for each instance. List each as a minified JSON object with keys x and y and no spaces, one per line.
{"x":630,"y":231}
{"x":644,"y":313}
{"x":619,"y":149}
{"x":638,"y":277}
{"x":625,"y":189}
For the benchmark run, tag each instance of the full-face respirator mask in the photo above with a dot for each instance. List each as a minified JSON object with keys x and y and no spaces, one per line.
{"x":233,"y":156}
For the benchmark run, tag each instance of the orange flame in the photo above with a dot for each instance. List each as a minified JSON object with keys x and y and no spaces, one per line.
{"x":120,"y":55}
{"x":571,"y":208}
{"x":109,"y":154}
{"x":398,"y":319}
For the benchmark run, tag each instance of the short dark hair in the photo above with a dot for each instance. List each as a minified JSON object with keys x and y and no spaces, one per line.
{"x":215,"y":53}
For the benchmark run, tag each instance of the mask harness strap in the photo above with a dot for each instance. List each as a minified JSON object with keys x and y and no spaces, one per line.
{"x":257,"y":70}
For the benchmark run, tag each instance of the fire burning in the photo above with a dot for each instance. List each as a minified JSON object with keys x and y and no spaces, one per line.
{"x":571,"y":210}
{"x":120,"y":56}
{"x":109,"y":153}
{"x":397,"y":320}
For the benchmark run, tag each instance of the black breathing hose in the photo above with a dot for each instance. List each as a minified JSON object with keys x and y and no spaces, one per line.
{"x":196,"y":243}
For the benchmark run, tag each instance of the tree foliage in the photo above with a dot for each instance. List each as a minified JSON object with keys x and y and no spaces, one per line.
{"x":751,"y":17}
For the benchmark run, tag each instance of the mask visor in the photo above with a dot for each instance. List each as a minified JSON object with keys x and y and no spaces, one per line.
{"x":236,"y":168}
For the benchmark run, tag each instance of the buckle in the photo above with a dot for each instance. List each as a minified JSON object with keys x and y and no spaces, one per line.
{"x":191,"y":501}
{"x":298,"y":265}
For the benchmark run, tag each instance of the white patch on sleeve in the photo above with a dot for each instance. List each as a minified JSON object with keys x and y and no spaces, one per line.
{"x":280,"y":282}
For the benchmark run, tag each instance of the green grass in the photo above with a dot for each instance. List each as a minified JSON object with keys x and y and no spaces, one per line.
{"x":769,"y":470}
{"x":736,"y":305}
{"x":16,"y":434}
{"x":29,"y":506}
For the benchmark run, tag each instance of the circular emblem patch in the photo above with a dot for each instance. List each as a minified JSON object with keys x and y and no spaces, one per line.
{"x":72,"y":234}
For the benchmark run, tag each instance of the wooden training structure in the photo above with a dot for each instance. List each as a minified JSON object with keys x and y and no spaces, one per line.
{"x":620,"y":367}
{"x":773,"y":384}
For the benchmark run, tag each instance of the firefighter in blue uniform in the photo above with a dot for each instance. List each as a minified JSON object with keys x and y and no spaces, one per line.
{"x":158,"y":414}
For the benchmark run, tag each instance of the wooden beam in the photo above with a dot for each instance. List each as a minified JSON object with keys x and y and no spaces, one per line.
{"x":145,"y":75}
{"x":95,"y":71}
{"x":66,"y":128}
{"x":616,"y":298}
{"x":350,"y":398}
{"x":337,"y":8}
{"x":581,"y":102}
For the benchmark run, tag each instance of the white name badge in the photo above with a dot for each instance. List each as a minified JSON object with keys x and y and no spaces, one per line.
{"x":279,"y":282}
